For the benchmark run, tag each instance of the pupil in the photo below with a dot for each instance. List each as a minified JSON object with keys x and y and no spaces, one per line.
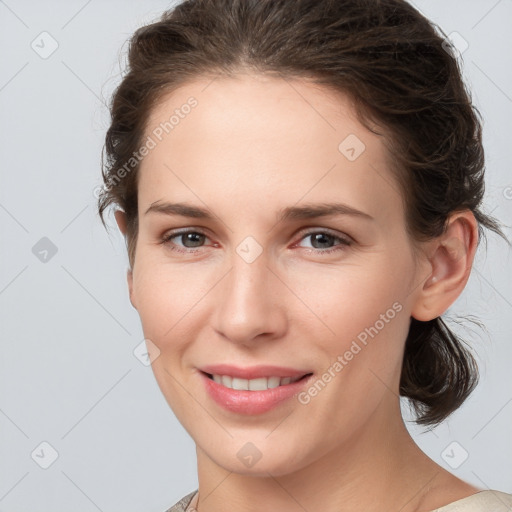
{"x":194,"y":238}
{"x":322,"y":238}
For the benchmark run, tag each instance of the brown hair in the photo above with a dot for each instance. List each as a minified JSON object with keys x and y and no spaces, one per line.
{"x":396,"y":66}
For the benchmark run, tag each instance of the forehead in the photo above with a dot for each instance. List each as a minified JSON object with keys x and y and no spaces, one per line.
{"x":257,"y":108}
{"x":246,"y":137}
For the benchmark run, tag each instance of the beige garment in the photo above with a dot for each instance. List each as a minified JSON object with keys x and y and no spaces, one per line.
{"x":483,"y":501}
{"x":185,"y":503}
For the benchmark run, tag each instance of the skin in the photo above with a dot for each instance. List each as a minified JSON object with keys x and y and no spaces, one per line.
{"x":252,"y":146}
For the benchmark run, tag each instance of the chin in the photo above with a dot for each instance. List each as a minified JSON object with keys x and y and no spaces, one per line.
{"x":244,"y":458}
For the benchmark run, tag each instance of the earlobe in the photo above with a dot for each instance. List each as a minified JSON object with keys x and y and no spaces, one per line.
{"x":129,"y":278}
{"x":451,"y":258}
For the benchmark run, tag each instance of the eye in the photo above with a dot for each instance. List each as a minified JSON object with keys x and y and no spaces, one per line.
{"x":323,"y":240}
{"x":189,"y":239}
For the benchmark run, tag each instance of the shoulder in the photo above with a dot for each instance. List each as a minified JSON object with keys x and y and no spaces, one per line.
{"x":482,"y":501}
{"x":182,"y":505}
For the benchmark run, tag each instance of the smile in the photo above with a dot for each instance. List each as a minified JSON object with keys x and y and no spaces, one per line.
{"x":252,"y":396}
{"x":259,"y":384}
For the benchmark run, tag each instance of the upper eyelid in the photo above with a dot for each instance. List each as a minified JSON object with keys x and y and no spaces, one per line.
{"x":333,"y":232}
{"x":300,"y":234}
{"x":171,"y":233}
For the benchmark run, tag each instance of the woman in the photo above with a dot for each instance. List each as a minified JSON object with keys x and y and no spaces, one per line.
{"x":299,"y":183}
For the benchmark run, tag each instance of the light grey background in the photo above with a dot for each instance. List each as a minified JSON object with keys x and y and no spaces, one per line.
{"x":68,"y":375}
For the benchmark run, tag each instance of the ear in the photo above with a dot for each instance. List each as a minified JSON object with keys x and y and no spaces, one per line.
{"x":450,"y":258}
{"x":121,"y":223}
{"x":129,"y":279}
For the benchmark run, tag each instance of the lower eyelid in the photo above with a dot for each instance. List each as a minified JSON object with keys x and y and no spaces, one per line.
{"x":342,"y":241}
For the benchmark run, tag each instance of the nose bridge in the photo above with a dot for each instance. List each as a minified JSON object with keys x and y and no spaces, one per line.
{"x":247,"y":305}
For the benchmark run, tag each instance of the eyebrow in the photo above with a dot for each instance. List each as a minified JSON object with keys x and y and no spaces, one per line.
{"x":307,"y":211}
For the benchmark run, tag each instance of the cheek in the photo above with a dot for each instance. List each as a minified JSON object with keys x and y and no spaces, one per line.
{"x":154,"y":300}
{"x":167,"y":303}
{"x":351,"y":299}
{"x":365,"y":317}
{"x":165,"y":296}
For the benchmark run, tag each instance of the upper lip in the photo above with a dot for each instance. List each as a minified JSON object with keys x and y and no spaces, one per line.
{"x":253,"y":372}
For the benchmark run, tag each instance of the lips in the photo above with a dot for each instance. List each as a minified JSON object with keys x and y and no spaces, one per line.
{"x":255,"y":401}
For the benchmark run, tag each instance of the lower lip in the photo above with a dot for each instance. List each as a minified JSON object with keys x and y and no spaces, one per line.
{"x":251,"y":402}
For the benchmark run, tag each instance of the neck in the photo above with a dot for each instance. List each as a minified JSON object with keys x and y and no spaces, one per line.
{"x":379,"y":468}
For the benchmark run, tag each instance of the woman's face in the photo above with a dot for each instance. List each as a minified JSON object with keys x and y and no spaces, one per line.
{"x":262,"y":279}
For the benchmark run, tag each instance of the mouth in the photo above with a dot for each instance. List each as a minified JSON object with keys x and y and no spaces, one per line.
{"x":254,"y":396}
{"x":258,"y":384}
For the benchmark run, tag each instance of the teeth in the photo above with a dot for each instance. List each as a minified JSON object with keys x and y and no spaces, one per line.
{"x":273,"y":382}
{"x":260,"y":384}
{"x":242,"y":384}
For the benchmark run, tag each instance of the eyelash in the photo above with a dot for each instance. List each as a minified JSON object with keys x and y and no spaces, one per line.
{"x":344,"y":242}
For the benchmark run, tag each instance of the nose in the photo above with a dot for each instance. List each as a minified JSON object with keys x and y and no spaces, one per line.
{"x":250,"y":303}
